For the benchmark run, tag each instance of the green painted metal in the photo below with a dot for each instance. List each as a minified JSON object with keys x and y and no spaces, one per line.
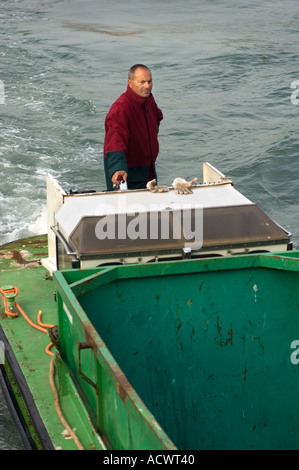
{"x":20,"y":267}
{"x":199,"y":354}
{"x":117,"y":411}
{"x":203,"y":347}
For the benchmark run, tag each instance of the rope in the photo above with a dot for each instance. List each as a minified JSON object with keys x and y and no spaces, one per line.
{"x":45,"y":325}
{"x":58,"y":408}
{"x":43,"y":328}
{"x":48,"y":349}
{"x":29,"y":321}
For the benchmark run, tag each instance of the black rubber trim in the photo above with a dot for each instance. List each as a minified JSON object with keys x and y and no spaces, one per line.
{"x":21,"y":383}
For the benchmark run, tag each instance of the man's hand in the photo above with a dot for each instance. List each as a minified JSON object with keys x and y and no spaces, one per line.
{"x":119,"y":176}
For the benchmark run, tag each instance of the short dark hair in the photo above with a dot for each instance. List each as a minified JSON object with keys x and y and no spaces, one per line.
{"x":132,"y":70}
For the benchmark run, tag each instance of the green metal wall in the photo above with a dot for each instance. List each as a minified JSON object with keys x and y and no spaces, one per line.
{"x":206,"y":345}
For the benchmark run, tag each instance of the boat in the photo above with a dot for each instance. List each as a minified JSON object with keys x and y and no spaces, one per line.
{"x":156,"y":322}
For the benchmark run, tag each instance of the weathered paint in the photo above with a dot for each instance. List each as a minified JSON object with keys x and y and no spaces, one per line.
{"x":188,"y":354}
{"x":206,"y":344}
{"x":20,"y":266}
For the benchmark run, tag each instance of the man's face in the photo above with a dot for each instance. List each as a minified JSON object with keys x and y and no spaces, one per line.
{"x":142,"y":82}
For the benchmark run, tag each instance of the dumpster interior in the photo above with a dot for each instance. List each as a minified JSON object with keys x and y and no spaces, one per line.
{"x":206,"y":345}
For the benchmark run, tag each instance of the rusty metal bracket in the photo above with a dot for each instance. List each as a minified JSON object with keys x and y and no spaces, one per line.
{"x":80,"y":346}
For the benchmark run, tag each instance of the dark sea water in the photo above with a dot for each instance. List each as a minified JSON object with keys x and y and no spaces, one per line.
{"x":223,"y":74}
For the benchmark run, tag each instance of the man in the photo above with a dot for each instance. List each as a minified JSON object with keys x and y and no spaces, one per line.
{"x":131,"y":133}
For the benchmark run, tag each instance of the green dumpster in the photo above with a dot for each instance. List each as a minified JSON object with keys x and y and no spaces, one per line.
{"x":195,"y":354}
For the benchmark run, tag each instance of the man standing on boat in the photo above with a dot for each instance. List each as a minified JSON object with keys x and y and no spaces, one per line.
{"x":131,"y":142}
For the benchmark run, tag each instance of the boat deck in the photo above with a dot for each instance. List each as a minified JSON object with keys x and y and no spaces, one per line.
{"x":239,"y":388}
{"x":27,"y":363}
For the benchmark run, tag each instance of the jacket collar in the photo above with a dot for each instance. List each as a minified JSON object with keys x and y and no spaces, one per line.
{"x":138,"y":99}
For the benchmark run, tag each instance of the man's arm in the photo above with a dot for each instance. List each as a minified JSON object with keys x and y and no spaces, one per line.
{"x":115,"y":164}
{"x":115,"y":148}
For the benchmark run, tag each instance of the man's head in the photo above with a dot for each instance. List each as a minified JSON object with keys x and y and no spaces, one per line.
{"x":140,"y":80}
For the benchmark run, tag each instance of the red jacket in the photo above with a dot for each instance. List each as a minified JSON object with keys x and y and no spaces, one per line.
{"x":131,"y":138}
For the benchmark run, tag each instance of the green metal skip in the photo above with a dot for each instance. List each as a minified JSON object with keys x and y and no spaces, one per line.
{"x":195,"y":354}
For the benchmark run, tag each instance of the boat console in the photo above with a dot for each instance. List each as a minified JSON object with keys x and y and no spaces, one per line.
{"x":91,"y":229}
